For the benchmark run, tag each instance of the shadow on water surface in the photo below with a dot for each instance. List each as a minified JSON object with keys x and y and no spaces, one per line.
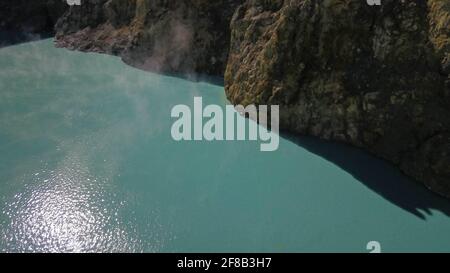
{"x":378,"y":175}
{"x":375,"y":173}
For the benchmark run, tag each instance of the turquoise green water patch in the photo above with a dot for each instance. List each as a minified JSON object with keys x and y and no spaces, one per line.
{"x":87,"y":163}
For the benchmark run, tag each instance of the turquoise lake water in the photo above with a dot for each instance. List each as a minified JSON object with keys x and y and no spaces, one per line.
{"x":87,"y":163}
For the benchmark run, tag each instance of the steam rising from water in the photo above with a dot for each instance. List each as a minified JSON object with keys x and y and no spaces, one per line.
{"x":172,"y":49}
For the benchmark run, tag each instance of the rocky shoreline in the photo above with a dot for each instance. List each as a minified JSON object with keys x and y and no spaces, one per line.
{"x":374,"y":77}
{"x":184,"y":36}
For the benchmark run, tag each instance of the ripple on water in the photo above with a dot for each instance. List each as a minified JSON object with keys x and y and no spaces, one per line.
{"x":69,"y":210}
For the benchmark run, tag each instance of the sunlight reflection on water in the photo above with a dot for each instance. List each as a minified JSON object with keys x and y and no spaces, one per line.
{"x":67,"y":210}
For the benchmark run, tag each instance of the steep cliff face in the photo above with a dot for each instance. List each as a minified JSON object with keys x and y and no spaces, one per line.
{"x":168,"y":36}
{"x":374,"y":77}
{"x":22,"y":20}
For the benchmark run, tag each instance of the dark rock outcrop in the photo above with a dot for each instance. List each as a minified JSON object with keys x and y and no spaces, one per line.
{"x":161,"y":35}
{"x":374,"y":77}
{"x":22,"y":20}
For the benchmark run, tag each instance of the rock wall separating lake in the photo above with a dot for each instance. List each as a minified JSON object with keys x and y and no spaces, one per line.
{"x":183,"y":36}
{"x":23,"y":20}
{"x":374,"y":77}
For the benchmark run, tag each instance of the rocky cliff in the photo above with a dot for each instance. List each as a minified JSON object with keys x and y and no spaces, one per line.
{"x":374,"y":77}
{"x":184,"y":36}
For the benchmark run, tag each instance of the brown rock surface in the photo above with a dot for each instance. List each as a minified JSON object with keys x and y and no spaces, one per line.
{"x":374,"y":77}
{"x":186,"y":36}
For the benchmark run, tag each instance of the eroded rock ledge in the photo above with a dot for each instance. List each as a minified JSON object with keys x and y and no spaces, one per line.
{"x":184,"y":36}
